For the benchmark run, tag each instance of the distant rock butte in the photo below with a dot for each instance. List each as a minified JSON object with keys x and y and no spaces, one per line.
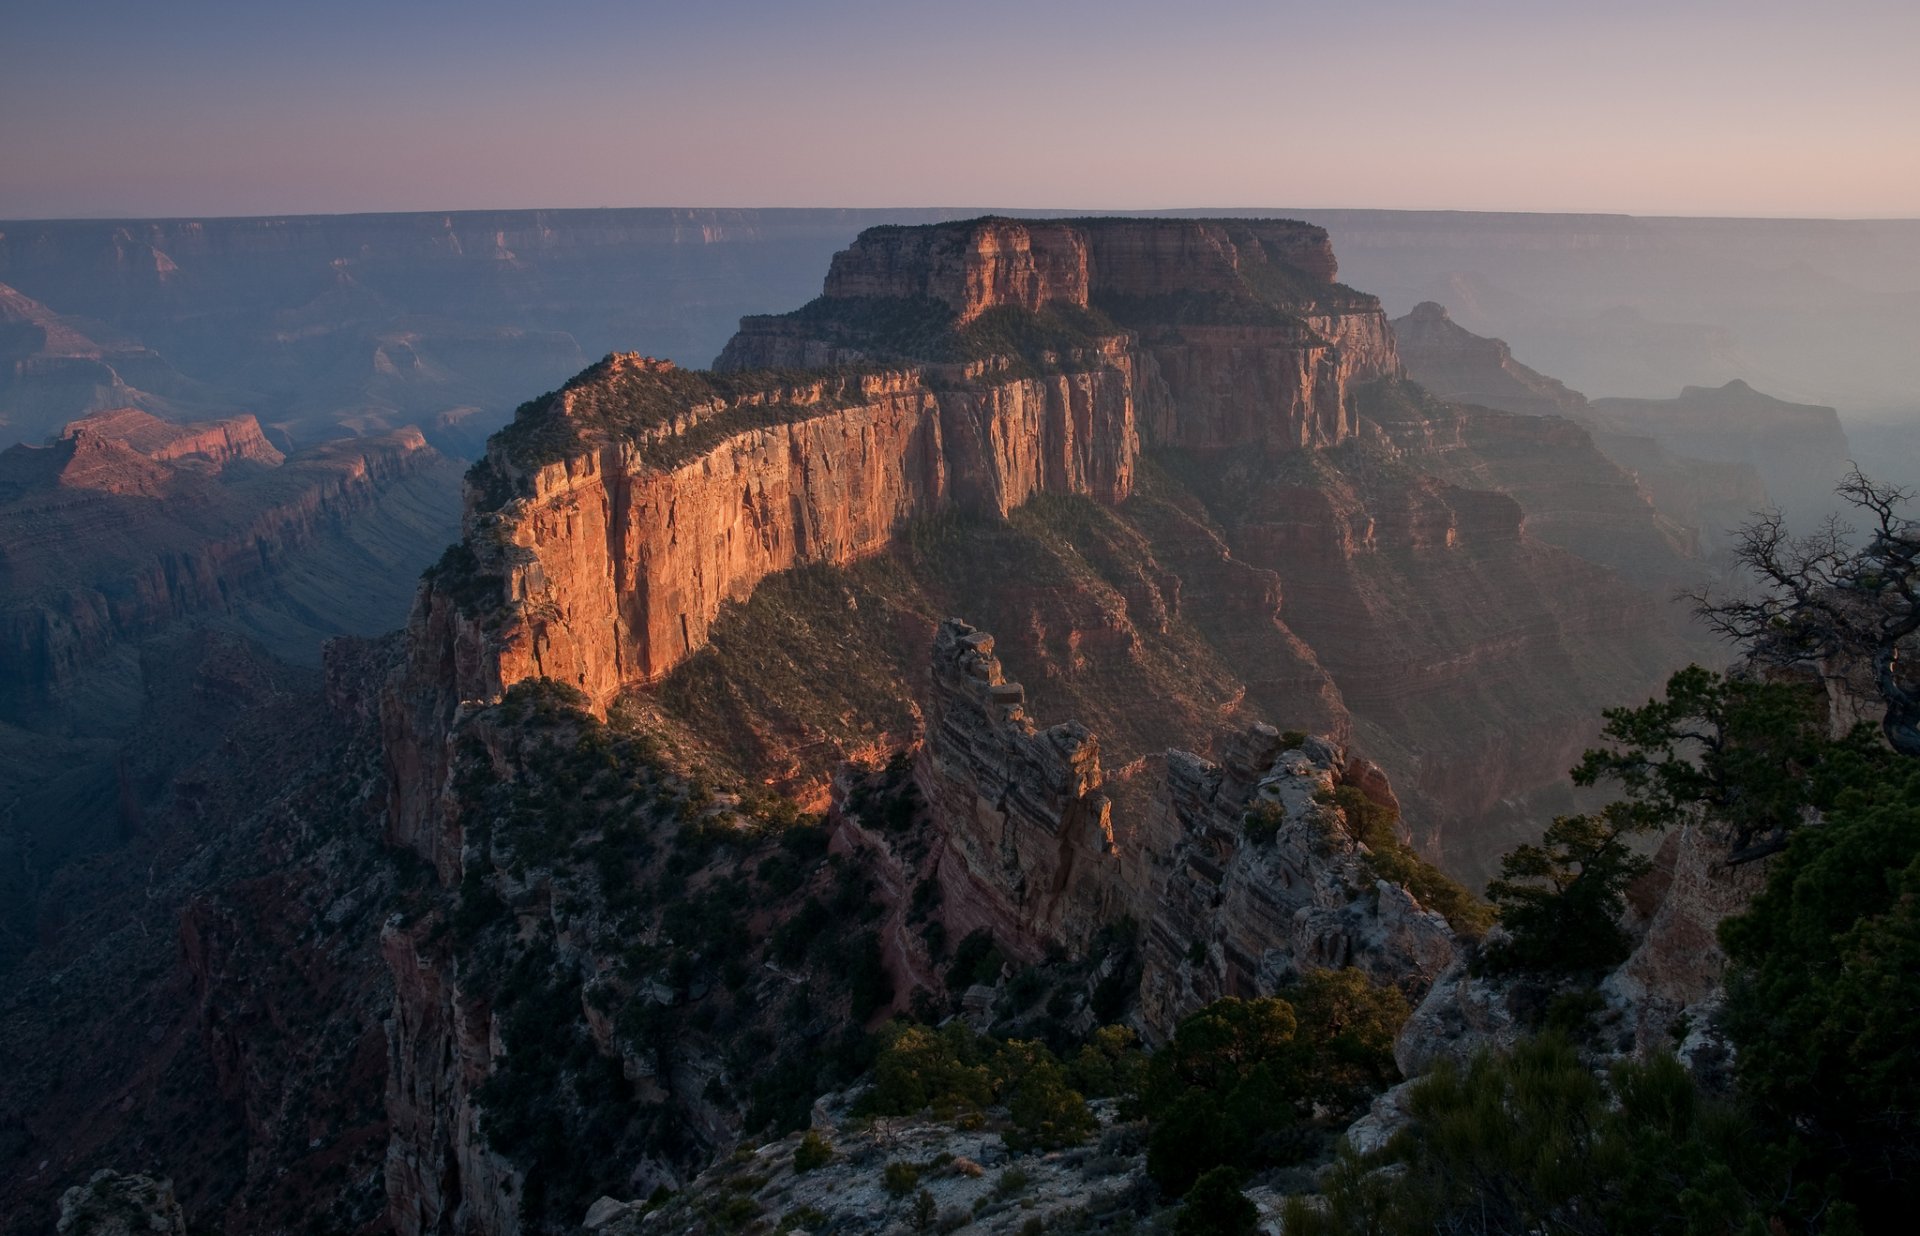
{"x":1455,"y":363}
{"x":1701,"y":467}
{"x":127,"y":523}
{"x":217,"y":443}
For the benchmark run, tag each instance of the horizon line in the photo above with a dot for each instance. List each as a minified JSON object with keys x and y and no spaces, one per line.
{"x":963,"y":212}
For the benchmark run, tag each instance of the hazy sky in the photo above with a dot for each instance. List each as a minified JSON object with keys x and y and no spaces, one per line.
{"x":116,"y":107}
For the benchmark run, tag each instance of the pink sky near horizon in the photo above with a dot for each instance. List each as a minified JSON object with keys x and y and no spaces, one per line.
{"x":214,"y":107}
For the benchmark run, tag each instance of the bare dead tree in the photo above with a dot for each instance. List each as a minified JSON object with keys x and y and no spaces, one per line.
{"x":1827,"y":602}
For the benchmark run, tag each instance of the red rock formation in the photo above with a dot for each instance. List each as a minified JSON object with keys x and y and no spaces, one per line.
{"x":1026,"y":264}
{"x":663,"y":496}
{"x":611,"y":525}
{"x":615,"y":565}
{"x":216,"y":443}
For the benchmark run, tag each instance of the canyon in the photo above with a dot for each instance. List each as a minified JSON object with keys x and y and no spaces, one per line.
{"x":683,"y":771}
{"x":1065,"y":360}
{"x":1046,"y":421}
{"x":1708,"y":460}
{"x":131,"y":543}
{"x":444,"y":320}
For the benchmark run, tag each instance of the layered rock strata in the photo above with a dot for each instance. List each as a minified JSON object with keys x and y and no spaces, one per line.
{"x":1244,"y":912}
{"x":1029,"y":851}
{"x":986,"y":363}
{"x":128,"y":524}
{"x":609,"y":525}
{"x":1028,"y":834}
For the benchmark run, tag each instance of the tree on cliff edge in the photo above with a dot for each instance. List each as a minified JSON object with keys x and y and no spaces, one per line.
{"x":1822,"y":601}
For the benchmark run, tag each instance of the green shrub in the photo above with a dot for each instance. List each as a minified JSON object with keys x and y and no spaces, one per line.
{"x":801,"y":1219}
{"x":925,"y":1211}
{"x":1824,"y":989}
{"x":920,"y":1068}
{"x":900,"y":1178}
{"x":1215,"y":1206}
{"x":1391,"y":859}
{"x":813,"y":1152}
{"x":1225,"y":1082}
{"x":1242,"y":1079}
{"x":1533,"y":1141}
{"x":1046,"y":1113}
{"x":1109,"y":1064}
{"x":1561,"y":900}
{"x":953,"y":1071}
{"x":1262,"y":822}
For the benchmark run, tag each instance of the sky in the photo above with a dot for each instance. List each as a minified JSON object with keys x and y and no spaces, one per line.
{"x":211,"y":107}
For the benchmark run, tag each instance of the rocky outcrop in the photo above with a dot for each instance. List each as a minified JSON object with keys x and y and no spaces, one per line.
{"x":1663,"y":997}
{"x":212,"y":443}
{"x":112,"y":1204}
{"x":1027,"y":835}
{"x":1265,"y":882}
{"x":1667,"y":990}
{"x":1026,"y":264}
{"x":972,"y":1182}
{"x":1226,"y":908}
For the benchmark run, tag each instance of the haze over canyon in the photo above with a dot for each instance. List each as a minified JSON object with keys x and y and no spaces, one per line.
{"x":431,"y":805}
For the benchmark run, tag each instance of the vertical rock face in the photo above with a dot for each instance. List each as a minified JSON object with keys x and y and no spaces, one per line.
{"x":1240,"y":334}
{"x":612,"y":563}
{"x":1251,"y":339}
{"x":1030,"y":853}
{"x":440,"y":1175}
{"x":636,"y":502}
{"x":620,"y":567}
{"x":1023,"y":264}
